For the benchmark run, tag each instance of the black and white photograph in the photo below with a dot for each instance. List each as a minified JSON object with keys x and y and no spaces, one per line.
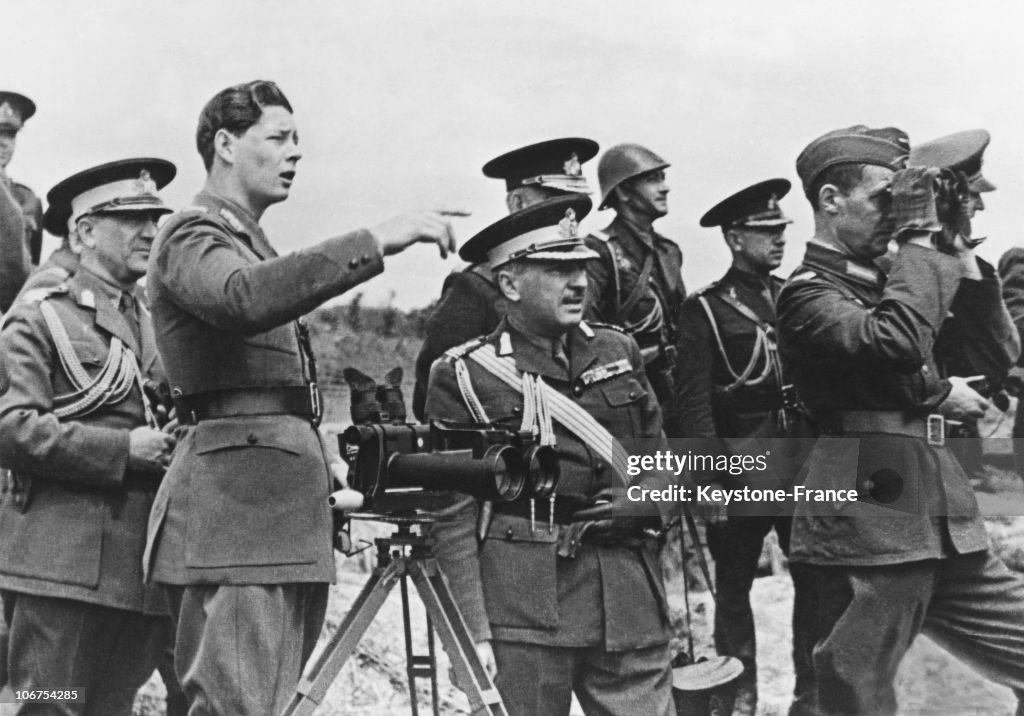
{"x":530,"y":359}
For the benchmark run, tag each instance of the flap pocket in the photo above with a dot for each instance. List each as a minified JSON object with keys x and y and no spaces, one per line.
{"x":511,"y":528}
{"x":623,"y":392}
{"x":262,"y":431}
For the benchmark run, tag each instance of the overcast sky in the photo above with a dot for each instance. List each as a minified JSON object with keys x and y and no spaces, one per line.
{"x":399,"y":104}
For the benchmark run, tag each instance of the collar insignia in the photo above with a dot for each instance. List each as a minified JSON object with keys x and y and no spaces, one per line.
{"x":572,"y":166}
{"x":88,"y":299}
{"x":504,"y":344}
{"x":232,"y":220}
{"x":568,"y":228}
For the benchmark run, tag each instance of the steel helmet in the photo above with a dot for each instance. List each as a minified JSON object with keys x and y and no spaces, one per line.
{"x":622,"y":162}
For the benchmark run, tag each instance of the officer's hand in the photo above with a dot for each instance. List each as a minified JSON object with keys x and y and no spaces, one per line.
{"x":400,"y":232}
{"x":149,"y":450}
{"x":485,"y":653}
{"x":963,"y":401}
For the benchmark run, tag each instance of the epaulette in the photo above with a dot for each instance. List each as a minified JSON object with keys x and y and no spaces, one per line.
{"x":803,"y":276}
{"x":705,"y":289}
{"x":37,"y":295}
{"x":461,"y":351}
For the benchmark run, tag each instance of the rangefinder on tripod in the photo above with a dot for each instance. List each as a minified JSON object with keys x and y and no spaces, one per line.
{"x":404,"y":468}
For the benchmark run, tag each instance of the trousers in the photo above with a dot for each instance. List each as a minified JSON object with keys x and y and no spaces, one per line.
{"x":106,"y":654}
{"x":240,"y":650}
{"x":539,"y":680}
{"x":864,"y":619}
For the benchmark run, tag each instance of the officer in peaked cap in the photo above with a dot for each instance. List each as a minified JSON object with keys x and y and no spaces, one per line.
{"x":637,"y":282}
{"x":730,"y":388}
{"x":963,"y":151}
{"x":557,"y":600}
{"x":59,"y":220}
{"x":87,"y":451}
{"x":471,"y":304}
{"x":21,"y":212}
{"x":911,"y":554}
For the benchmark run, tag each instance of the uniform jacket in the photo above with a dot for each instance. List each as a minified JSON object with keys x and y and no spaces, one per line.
{"x":623,"y":253}
{"x":245,"y":498}
{"x":14,"y":256}
{"x":73,"y":523}
{"x":854,"y":339}
{"x":1011,"y":269}
{"x":697,"y":410}
{"x":471,"y":306}
{"x":514,"y":587}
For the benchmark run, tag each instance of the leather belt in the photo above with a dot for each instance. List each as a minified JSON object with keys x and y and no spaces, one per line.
{"x":891,"y":422}
{"x":301,"y":401}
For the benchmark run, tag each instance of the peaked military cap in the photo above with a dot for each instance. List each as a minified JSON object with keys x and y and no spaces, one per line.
{"x":962,"y":151}
{"x":757,"y":206}
{"x":555,"y":164}
{"x":886,"y":147}
{"x":546,"y":231}
{"x":124,"y":185}
{"x":15,"y":109}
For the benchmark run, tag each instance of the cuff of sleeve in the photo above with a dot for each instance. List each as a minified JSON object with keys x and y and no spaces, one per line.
{"x":355,"y":257}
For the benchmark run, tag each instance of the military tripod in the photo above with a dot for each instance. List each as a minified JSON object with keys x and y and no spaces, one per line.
{"x":397,"y":567}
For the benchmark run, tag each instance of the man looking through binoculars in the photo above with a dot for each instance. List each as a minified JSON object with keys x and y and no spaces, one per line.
{"x":559,"y":599}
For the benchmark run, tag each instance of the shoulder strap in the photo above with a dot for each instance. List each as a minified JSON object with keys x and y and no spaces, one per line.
{"x":638,"y":288}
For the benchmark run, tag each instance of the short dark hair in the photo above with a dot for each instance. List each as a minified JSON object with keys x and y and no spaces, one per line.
{"x":843,"y":176}
{"x":235,"y":109}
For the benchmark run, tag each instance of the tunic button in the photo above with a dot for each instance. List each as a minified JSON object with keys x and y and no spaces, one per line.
{"x":516,"y":410}
{"x":577,"y":391}
{"x":508,"y":533}
{"x":632,"y":394}
{"x":252,"y":439}
{"x":353,"y":264}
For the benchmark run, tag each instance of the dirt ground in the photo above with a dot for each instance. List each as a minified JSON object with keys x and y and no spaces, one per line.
{"x":373,"y":682}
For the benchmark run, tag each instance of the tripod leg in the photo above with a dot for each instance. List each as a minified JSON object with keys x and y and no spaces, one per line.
{"x":410,"y":659}
{"x":472,"y":678}
{"x":313,"y":686}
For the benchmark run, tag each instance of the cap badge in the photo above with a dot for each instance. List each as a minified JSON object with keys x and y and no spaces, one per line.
{"x":572,"y":166}
{"x":145,"y":184}
{"x":773,"y":203}
{"x":7,"y":111}
{"x":568,"y":227}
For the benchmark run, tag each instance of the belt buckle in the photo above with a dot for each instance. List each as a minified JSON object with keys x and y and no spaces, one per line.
{"x":315,"y":403}
{"x":936,"y":430}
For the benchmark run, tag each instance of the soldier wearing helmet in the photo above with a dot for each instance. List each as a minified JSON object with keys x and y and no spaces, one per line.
{"x":637,"y":281}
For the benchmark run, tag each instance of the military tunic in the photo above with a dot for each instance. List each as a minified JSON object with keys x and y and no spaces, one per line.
{"x":1011,"y":270}
{"x":471,"y":306}
{"x":729,"y":385}
{"x":515,"y":588}
{"x":74,"y":516}
{"x":241,"y":528}
{"x":859,"y":346}
{"x":653,"y":318}
{"x":15,"y":261}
